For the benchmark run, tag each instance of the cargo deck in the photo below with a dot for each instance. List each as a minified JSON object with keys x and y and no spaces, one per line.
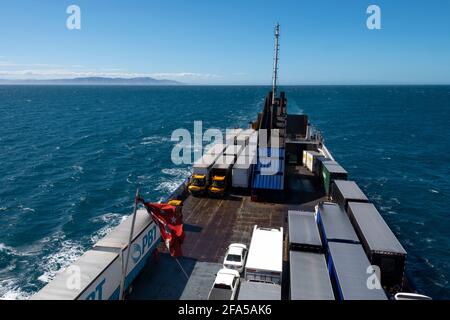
{"x":213,"y":224}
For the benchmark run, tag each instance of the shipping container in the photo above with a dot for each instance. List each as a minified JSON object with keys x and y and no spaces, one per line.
{"x":305,"y":155}
{"x":352,"y":274}
{"x":309,"y":277}
{"x":311,"y":157}
{"x":242,"y":171}
{"x":343,"y":192}
{"x":241,"y":174}
{"x":319,"y":164}
{"x":250,"y":290}
{"x":277,"y":153}
{"x":270,"y":166}
{"x":253,"y":140}
{"x":268,"y":182}
{"x":303,"y":231}
{"x":334,"y":224}
{"x":380,"y":243}
{"x":332,"y":171}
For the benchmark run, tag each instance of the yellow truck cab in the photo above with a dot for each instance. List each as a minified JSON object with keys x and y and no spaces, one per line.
{"x":200,"y":178}
{"x":218,"y":185}
{"x":178,"y":204}
{"x":220,"y":174}
{"x":197,"y":184}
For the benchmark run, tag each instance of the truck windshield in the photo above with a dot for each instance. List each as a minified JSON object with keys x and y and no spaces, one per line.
{"x":218,"y":184}
{"x":198,"y":182}
{"x":234,"y":258}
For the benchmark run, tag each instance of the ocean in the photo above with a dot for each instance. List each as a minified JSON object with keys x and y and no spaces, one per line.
{"x":71,"y":158}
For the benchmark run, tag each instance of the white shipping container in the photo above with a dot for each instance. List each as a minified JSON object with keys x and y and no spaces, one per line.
{"x":242,"y":171}
{"x":253,"y":140}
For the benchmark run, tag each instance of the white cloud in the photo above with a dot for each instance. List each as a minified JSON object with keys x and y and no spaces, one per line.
{"x":40,"y":71}
{"x":62,"y":74}
{"x":190,"y":75}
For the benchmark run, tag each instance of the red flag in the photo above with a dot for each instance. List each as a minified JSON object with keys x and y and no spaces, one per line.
{"x":170,"y":224}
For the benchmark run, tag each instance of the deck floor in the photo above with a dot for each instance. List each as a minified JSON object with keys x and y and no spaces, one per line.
{"x":211,"y":225}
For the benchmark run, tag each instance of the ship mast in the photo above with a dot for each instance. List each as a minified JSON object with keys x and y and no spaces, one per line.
{"x":275,"y":63}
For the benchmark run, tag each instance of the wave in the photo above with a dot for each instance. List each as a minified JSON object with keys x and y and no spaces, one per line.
{"x":61,"y":259}
{"x":5,"y":248}
{"x":176,"y":177}
{"x":110,"y":218}
{"x":154,"y":140}
{"x":177,"y":172}
{"x":10,"y":251}
{"x":168,"y":186}
{"x":9,"y":290}
{"x":79,"y":169}
{"x":26,"y":209}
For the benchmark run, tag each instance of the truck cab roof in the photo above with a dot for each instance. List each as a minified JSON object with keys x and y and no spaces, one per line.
{"x":266,"y":250}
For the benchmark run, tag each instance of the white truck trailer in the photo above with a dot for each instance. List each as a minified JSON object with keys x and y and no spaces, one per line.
{"x":244,"y":137}
{"x":265,"y":256}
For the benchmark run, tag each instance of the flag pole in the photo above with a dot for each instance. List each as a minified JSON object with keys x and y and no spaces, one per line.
{"x":182,"y":269}
{"x":124,"y":269}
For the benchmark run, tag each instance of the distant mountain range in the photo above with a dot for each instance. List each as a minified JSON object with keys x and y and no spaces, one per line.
{"x":141,"y":81}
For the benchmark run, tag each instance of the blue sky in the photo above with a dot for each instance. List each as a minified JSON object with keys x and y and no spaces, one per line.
{"x":228,"y":42}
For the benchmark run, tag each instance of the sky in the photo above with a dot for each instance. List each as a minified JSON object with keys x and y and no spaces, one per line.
{"x":228,"y":42}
